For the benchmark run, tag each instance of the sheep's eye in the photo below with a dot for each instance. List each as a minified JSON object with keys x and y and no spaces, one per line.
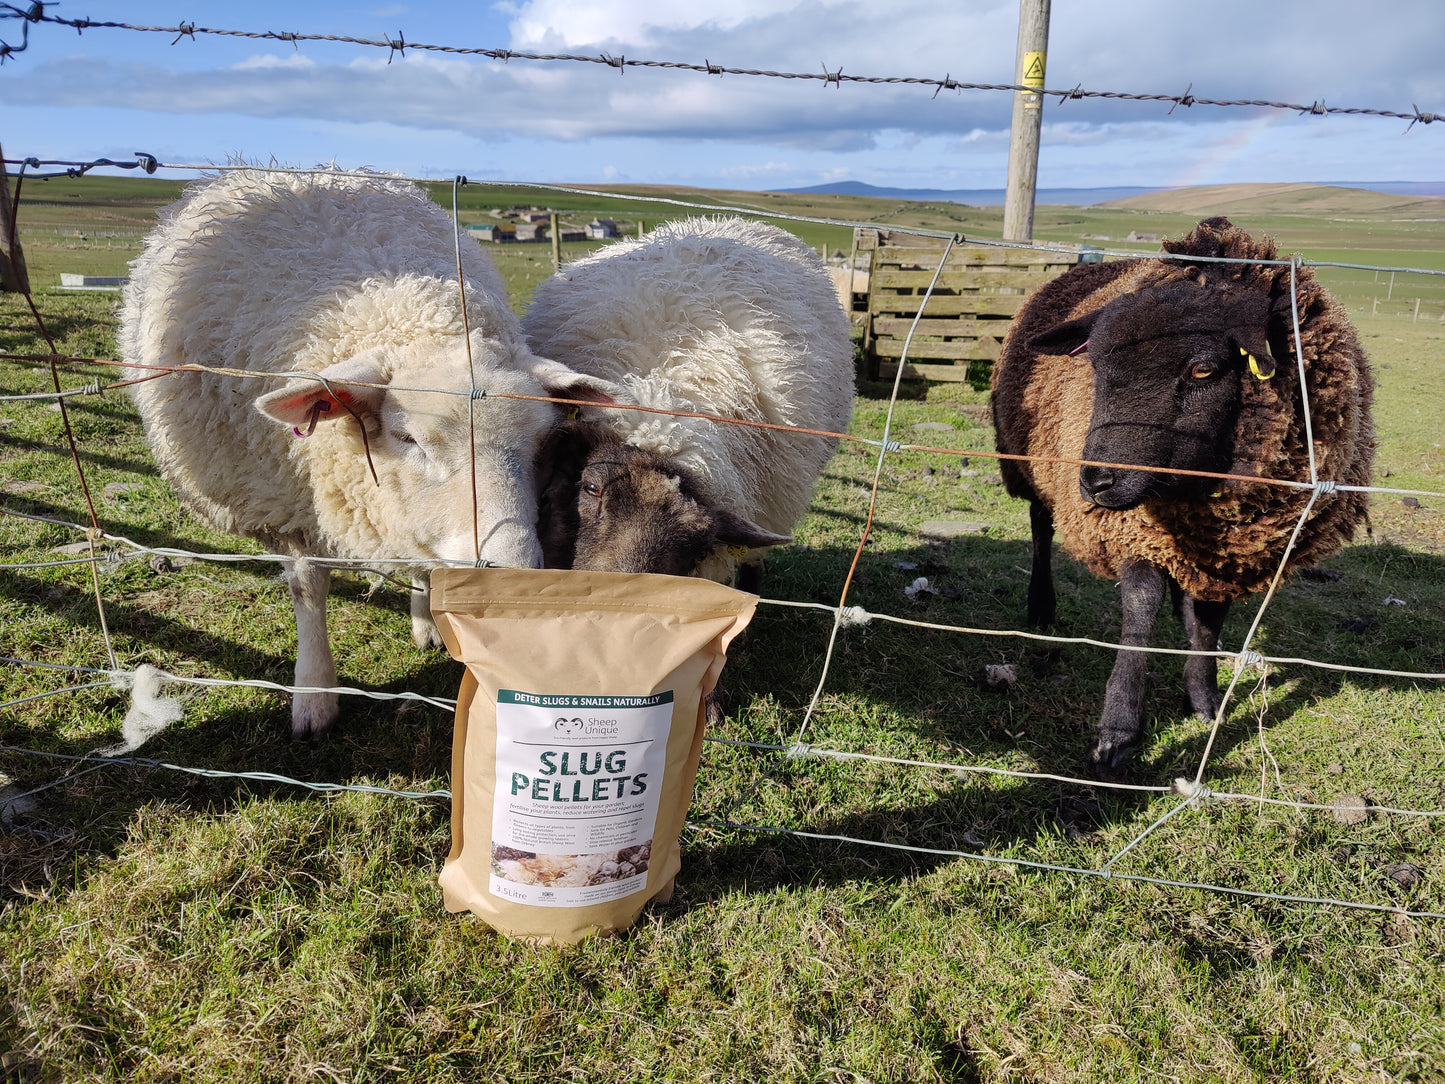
{"x":1202,"y":370}
{"x":406,"y":438}
{"x":592,"y":489}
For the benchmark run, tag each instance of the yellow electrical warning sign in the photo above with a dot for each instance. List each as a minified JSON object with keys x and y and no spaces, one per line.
{"x":1033,"y":71}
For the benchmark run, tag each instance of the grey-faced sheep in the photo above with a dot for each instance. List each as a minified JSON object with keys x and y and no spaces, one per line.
{"x":1189,"y":366}
{"x":715,"y":316}
{"x":352,"y":278}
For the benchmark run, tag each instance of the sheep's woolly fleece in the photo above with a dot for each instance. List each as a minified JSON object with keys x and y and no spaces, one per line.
{"x":273,"y":272}
{"x":717,"y":316}
{"x":1228,"y":544}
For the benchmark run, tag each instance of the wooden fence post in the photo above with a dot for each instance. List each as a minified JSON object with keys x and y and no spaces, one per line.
{"x":13,"y":275}
{"x":1023,"y":148}
{"x":556,"y":243}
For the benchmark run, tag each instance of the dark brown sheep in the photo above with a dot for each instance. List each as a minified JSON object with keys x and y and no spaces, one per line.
{"x":1187,"y":365}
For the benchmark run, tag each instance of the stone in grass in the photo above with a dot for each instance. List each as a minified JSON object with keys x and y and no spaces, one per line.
{"x":951,"y":528}
{"x":121,"y":489}
{"x":1405,"y":874}
{"x":1350,"y":809}
{"x":932,"y":427}
{"x":1003,"y":675}
{"x":19,"y":489}
{"x":14,"y":802}
{"x":72,"y":549}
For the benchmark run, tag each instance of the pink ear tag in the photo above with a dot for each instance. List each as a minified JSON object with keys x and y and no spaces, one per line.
{"x":316,"y":411}
{"x":1076,"y":350}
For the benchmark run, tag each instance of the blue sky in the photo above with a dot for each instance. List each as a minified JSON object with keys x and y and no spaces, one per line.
{"x":109,"y":93}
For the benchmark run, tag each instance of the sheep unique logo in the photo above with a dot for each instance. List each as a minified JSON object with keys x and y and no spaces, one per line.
{"x":567,"y":726}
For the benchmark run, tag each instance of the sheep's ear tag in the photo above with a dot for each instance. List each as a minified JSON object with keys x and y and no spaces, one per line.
{"x":322,"y":406}
{"x":1079,"y":349}
{"x":573,"y":413}
{"x":738,"y":552}
{"x":1255,"y":367}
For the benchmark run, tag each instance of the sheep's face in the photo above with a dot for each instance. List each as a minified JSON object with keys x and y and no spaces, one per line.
{"x":428,"y":456}
{"x":1168,"y":365}
{"x":610,"y":507}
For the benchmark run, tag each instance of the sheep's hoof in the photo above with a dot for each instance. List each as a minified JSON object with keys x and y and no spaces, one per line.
{"x":1108,"y":758}
{"x":312,"y":715}
{"x":425,"y":634}
{"x":1205,"y":704}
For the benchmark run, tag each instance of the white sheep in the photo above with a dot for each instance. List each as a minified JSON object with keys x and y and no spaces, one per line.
{"x":353,"y":278}
{"x":716,"y":316}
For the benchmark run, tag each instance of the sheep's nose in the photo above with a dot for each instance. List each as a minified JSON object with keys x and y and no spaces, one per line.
{"x":1094,"y":481}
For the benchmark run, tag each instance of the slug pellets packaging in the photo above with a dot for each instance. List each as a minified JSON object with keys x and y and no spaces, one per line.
{"x":578,"y":731}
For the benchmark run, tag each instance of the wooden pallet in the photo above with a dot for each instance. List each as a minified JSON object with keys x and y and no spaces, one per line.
{"x":966,"y":316}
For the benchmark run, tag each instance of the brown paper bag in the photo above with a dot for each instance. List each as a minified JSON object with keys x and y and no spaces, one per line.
{"x":578,"y":732}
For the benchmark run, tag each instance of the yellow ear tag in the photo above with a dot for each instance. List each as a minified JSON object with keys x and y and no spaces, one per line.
{"x":738,"y":551}
{"x":574,"y":413}
{"x":1254,"y":365}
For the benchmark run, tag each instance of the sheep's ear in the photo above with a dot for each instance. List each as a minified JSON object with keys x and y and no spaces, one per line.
{"x":304,"y":401}
{"x":733,"y":530}
{"x":1248,"y":318}
{"x":564,"y":383}
{"x":1253,"y":344}
{"x":558,"y":472}
{"x":1067,"y":338}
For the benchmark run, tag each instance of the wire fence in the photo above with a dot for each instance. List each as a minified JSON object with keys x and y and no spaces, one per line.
{"x":35,"y":14}
{"x":107,"y":549}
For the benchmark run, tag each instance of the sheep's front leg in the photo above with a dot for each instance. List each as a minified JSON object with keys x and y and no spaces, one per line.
{"x":312,"y":713}
{"x":423,"y":629}
{"x":1042,"y":602}
{"x":1141,"y":586}
{"x":1203,"y":622}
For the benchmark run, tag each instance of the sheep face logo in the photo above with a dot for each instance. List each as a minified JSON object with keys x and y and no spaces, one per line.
{"x":567,"y":726}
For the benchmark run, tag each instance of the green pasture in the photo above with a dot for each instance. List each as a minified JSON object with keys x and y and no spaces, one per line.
{"x":160,"y":926}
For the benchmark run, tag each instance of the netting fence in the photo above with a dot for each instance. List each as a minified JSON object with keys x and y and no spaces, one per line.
{"x":104,"y":549}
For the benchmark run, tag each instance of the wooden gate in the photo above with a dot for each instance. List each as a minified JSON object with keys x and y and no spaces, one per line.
{"x":977,"y":294}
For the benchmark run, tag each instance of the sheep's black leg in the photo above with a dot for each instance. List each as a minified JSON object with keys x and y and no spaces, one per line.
{"x":1042,"y":605}
{"x":1141,"y":586}
{"x":1203,"y":622}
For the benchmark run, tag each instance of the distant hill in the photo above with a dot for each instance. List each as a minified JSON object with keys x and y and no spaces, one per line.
{"x":1209,"y":199}
{"x":975,"y":197}
{"x":1303,"y":199}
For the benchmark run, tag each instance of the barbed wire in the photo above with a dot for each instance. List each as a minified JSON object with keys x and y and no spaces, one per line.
{"x":836,"y":78}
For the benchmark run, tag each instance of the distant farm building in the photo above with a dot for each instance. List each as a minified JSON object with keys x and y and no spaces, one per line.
{"x":531,"y":231}
{"x":496,"y":234}
{"x":599,"y":229}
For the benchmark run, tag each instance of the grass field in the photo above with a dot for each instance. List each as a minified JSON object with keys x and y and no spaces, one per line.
{"x":158,"y":926}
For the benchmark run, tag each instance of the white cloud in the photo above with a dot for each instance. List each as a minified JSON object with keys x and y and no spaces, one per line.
{"x":270,"y":62}
{"x":686,"y":127}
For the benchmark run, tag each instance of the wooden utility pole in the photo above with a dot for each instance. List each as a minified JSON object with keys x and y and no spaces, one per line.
{"x":12,"y":260}
{"x":1023,"y":148}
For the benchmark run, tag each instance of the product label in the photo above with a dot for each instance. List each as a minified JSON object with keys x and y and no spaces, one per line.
{"x":578,"y":783}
